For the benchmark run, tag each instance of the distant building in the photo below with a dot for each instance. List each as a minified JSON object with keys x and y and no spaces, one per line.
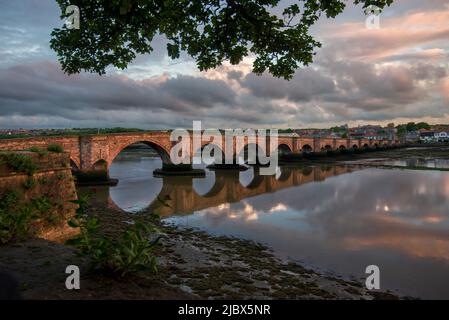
{"x":427,"y":135}
{"x":412,"y":136}
{"x":442,"y":136}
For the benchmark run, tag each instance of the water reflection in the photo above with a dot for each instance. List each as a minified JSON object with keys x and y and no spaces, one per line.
{"x":398,"y":220}
{"x":135,"y":181}
{"x":337,"y":219}
{"x":417,"y":162}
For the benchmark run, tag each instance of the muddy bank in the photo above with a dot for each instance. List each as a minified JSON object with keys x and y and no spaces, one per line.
{"x":191,"y":265}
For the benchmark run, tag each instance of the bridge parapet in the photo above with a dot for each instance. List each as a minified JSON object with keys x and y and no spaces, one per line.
{"x":97,"y":152}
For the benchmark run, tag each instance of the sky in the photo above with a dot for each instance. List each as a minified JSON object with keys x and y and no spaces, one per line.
{"x":397,"y":73}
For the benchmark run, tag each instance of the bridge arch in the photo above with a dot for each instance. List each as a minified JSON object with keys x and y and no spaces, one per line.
{"x":74,"y":165}
{"x":100,"y":165}
{"x":284,"y":149}
{"x":306,"y":148}
{"x":163,"y":153}
{"x":342,"y":148}
{"x":327,"y":147}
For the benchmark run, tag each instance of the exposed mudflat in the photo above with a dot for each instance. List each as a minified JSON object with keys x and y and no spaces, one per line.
{"x":192,"y":265}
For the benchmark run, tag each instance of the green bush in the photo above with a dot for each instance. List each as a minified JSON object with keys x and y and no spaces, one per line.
{"x":120,"y":256}
{"x":41,"y":152}
{"x":29,"y":184}
{"x":15,"y":221}
{"x":19,"y":163}
{"x":54,"y":147}
{"x":17,"y":216}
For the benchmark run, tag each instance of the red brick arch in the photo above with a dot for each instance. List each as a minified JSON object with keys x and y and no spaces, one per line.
{"x":160,"y":148}
{"x":75,"y":164}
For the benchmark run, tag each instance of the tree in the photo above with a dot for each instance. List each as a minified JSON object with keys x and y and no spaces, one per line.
{"x":402,"y":131}
{"x":335,"y":129}
{"x":113,"y":32}
{"x":423,"y":125}
{"x":411,"y":126}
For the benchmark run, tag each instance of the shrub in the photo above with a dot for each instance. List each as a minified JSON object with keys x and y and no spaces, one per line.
{"x":121,"y":256}
{"x":15,"y":221}
{"x":54,"y":147}
{"x":17,"y":216}
{"x":41,"y":152}
{"x":20,"y":163}
{"x":29,"y":184}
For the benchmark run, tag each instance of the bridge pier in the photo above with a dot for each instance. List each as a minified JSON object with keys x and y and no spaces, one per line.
{"x":230,"y":167}
{"x":185,"y":170}
{"x":289,"y":158}
{"x":96,"y":175}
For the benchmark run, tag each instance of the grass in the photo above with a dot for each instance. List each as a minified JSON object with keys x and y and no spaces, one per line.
{"x":19,"y":163}
{"x":17,"y":216}
{"x":40,"y":151}
{"x":54,"y":147}
{"x":15,"y":221}
{"x":122,"y":255}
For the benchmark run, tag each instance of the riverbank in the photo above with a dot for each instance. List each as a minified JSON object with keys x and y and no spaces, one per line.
{"x":191,"y":265}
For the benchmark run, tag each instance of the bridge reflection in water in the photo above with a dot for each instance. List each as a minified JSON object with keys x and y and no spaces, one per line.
{"x":179,"y":196}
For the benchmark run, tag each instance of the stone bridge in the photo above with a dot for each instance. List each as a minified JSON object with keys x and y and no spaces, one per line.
{"x":96,"y":152}
{"x":180,"y":197}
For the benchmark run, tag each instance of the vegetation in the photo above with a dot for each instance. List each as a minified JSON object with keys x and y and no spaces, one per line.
{"x":17,"y":216}
{"x":19,"y":162}
{"x":127,"y":254}
{"x":54,"y":147}
{"x":73,"y":131}
{"x":41,"y":152}
{"x":15,"y":220}
{"x":29,"y":184}
{"x":209,"y":31}
{"x":412,"y":126}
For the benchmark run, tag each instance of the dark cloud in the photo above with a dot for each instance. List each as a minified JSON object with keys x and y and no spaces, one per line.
{"x":199,"y":91}
{"x":235,"y":75}
{"x":399,"y":71}
{"x":305,"y":85}
{"x":42,"y":89}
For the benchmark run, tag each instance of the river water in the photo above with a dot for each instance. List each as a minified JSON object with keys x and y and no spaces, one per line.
{"x":335,"y":219}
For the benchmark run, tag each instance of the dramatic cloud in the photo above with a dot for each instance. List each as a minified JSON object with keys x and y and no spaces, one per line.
{"x":397,"y":73}
{"x":307,"y":84}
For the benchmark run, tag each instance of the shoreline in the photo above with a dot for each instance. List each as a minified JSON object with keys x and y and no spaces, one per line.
{"x":191,"y":265}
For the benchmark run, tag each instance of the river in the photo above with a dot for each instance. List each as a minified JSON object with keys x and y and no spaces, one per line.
{"x":335,"y":219}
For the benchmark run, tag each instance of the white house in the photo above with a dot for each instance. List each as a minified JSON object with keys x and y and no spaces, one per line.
{"x":442,"y":136}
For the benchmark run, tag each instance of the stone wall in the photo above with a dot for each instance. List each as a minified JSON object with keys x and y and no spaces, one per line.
{"x":51,"y":184}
